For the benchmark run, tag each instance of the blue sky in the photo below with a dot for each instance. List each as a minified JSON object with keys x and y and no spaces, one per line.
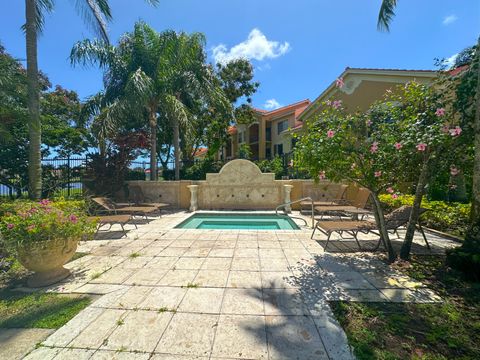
{"x":297,"y":47}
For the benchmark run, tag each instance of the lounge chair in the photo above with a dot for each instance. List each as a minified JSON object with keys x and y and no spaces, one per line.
{"x":354,"y":207}
{"x":137,"y":196}
{"x":337,"y":199}
{"x":111,"y":207}
{"x":111,"y":220}
{"x":396,"y":219}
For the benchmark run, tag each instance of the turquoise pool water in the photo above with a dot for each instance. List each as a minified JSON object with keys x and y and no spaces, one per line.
{"x":217,"y":221}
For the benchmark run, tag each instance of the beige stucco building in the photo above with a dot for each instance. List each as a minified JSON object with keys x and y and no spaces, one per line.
{"x":272,"y":132}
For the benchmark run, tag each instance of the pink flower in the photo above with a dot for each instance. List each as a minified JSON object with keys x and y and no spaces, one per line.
{"x":398,"y":145}
{"x":378,"y":173}
{"x":339,"y":82}
{"x":394,"y":196}
{"x":374,"y":147}
{"x":328,"y":102}
{"x":321,"y":175}
{"x":73,"y":218}
{"x":369,"y":122}
{"x":457,"y":130}
{"x":44,"y":202}
{"x":330,"y":133}
{"x":337,"y":104}
{"x":445,"y":129}
{"x":421,"y":147}
{"x":454,"y":171}
{"x":390,"y":190}
{"x":440,"y":112}
{"x":10,"y":226}
{"x":31,"y":227}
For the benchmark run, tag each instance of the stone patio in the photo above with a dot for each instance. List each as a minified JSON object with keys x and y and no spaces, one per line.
{"x":192,"y":294}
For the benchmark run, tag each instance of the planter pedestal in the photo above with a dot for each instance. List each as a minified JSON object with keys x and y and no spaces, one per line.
{"x":41,"y":279}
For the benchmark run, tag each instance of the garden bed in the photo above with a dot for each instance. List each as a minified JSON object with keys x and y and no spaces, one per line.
{"x":449,"y":330}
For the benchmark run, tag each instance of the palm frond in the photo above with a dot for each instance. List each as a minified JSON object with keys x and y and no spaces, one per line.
{"x":41,"y":8}
{"x":386,"y":14}
{"x":92,"y":52}
{"x":96,"y":13}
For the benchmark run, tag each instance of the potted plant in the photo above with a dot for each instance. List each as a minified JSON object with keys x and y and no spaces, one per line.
{"x":44,"y":236}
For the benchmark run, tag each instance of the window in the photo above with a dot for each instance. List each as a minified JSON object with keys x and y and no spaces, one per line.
{"x":268,"y":134}
{"x":282,"y":126}
{"x":278,"y":149}
{"x":241,"y":137}
{"x":268,"y":153}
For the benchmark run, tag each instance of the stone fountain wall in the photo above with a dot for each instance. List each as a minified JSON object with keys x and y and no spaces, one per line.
{"x":240,"y":185}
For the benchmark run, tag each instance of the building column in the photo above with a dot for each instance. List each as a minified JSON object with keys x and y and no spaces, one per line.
{"x":262,"y":138}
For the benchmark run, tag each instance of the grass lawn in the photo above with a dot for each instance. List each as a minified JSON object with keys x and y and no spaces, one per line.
{"x":35,"y":310}
{"x":38,"y":310}
{"x":450,"y":330}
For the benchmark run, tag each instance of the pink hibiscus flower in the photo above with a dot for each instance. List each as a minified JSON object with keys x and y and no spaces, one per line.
{"x":10,"y":226}
{"x":337,"y":104}
{"x":374,"y":147}
{"x":398,"y":145}
{"x":421,"y":147}
{"x":339,"y":82}
{"x":390,"y":190}
{"x":440,"y":112}
{"x":394,"y":196}
{"x":73,"y":218}
{"x":378,"y":173}
{"x":321,"y":175}
{"x":456,"y":131}
{"x":330,"y":133}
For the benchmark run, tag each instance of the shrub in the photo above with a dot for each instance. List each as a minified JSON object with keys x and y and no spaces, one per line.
{"x":272,"y":166}
{"x":25,"y":222}
{"x":442,"y":216}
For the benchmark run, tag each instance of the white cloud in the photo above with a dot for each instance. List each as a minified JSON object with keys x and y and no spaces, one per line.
{"x":272,"y":104}
{"x":450,"y":19}
{"x":449,"y":62}
{"x":256,"y":47}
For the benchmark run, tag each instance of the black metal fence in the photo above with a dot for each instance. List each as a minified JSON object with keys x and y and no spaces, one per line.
{"x":64,"y":176}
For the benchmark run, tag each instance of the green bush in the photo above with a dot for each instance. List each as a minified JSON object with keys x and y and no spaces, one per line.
{"x":447,"y":217}
{"x":272,"y":166}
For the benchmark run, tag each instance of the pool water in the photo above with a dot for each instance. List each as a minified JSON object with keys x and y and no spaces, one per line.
{"x":217,"y":221}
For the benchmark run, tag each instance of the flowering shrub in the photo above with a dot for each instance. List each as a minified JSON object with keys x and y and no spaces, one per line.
{"x":24,"y":223}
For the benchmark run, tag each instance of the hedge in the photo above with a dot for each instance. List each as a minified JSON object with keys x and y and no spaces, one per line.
{"x":449,"y":217}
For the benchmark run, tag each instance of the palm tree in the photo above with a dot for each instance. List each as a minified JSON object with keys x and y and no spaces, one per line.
{"x":151,"y":75}
{"x":96,"y":13}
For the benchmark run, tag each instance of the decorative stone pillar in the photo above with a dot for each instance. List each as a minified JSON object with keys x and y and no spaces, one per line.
{"x":287,"y":189}
{"x":193,"y":197}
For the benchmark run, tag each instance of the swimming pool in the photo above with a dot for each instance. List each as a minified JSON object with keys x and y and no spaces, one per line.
{"x":221,"y":221}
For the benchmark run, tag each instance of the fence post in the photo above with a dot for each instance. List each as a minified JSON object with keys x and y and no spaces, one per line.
{"x":68,"y":176}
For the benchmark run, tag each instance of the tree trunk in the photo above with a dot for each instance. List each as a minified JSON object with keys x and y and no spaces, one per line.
{"x":413,"y":220}
{"x":153,"y":143}
{"x":34,"y":127}
{"x":380,"y":221}
{"x":176,"y":147}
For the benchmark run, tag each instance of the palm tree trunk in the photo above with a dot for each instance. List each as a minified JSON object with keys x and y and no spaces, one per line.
{"x":153,"y":144}
{"x":380,"y":221}
{"x":34,"y":127}
{"x":176,"y":147}
{"x":413,"y":220}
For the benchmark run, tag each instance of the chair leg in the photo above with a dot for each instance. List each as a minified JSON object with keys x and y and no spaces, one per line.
{"x":328,"y":239}
{"x":355,"y":233}
{"x":424,"y":236}
{"x":313,"y":232}
{"x":123,"y":229}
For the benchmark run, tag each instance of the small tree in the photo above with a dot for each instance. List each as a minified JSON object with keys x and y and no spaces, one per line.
{"x":424,"y":135}
{"x":346,"y":147}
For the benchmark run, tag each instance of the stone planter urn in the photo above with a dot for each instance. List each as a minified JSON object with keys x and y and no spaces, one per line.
{"x":46,"y":259}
